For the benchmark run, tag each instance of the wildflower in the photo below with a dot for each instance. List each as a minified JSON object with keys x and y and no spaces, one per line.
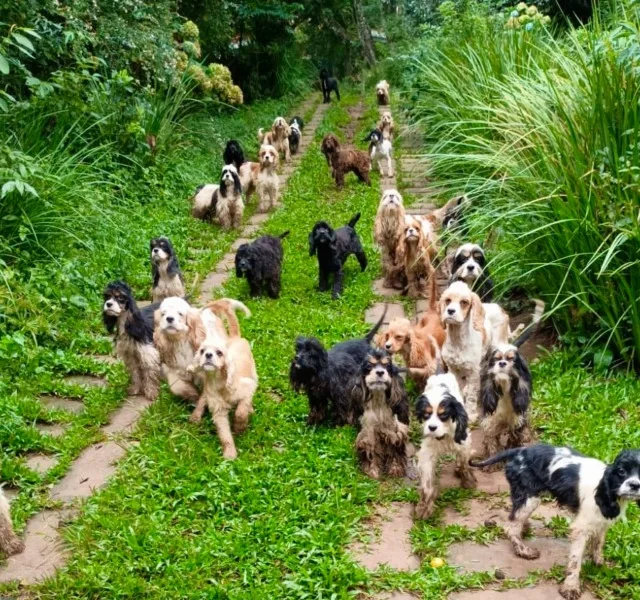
{"x":532,"y":10}
{"x":529,"y":26}
{"x":190,"y":31}
{"x":546,"y":19}
{"x":515,"y":14}
{"x":521,"y":6}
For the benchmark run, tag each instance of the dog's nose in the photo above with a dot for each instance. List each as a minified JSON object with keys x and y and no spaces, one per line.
{"x":209,"y":355}
{"x":155,"y":251}
{"x":388,"y":345}
{"x":451,"y":311}
{"x":634,"y":486}
{"x":109,"y":304}
{"x":170,"y":319}
{"x":380,"y":372}
{"x":502,"y":364}
{"x":469,"y":267}
{"x":433,"y":427}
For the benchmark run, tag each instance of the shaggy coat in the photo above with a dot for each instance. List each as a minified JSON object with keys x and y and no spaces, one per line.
{"x":388,"y":230}
{"x":470,"y":265}
{"x":596,"y":493}
{"x":345,"y":160}
{"x":328,"y":85}
{"x":328,"y":377}
{"x":223,"y":202}
{"x":386,"y":125}
{"x":278,"y":137}
{"x":10,"y":543}
{"x":384,"y":424}
{"x":333,"y":247}
{"x":233,"y":155}
{"x":267,"y":182}
{"x":261,"y":264}
{"x":165,"y":270}
{"x":297,"y":125}
{"x":414,"y":253}
{"x":133,"y":332}
{"x":380,"y":150}
{"x":382,"y":93}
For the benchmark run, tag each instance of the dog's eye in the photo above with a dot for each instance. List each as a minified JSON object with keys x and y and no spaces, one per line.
{"x":219,"y":353}
{"x":464,"y":303}
{"x":498,"y":356}
{"x":180,"y":314}
{"x":201,"y":350}
{"x":399,"y":338}
{"x":620,"y":471}
{"x":447,"y":301}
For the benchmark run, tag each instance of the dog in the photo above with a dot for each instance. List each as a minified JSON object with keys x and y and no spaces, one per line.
{"x":333,"y":247}
{"x":178,"y":332}
{"x":203,"y":202}
{"x":345,"y":160}
{"x":382,"y":93}
{"x":133,"y":331}
{"x":222,"y":202}
{"x":10,"y":543}
{"x":414,"y":253}
{"x":296,"y":125}
{"x":230,"y":381}
{"x":596,"y":493}
{"x":471,"y":327}
{"x":384,"y":424}
{"x":445,"y":430}
{"x":165,"y":270}
{"x":388,"y":230}
{"x":260,"y":262}
{"x":419,"y":344}
{"x":234,"y":155}
{"x":386,"y":125}
{"x":328,"y":84}
{"x":278,"y":137}
{"x":470,"y":265}
{"x":328,"y":377}
{"x":380,"y":149}
{"x":267,"y":183}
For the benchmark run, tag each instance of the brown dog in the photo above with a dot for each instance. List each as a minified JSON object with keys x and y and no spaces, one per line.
{"x":345,"y":160}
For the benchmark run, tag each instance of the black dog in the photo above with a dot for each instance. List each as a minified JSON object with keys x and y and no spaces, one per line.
{"x":261,"y":263}
{"x":233,"y":154}
{"x":297,"y":125}
{"x":328,"y":377}
{"x":333,"y":248}
{"x":329,"y":84}
{"x":167,"y":276}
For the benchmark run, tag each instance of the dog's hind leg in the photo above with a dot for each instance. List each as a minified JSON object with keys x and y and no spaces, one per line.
{"x":10,"y":543}
{"x":362,"y":259}
{"x":223,"y":428}
{"x":273,"y":287}
{"x":518,"y":521}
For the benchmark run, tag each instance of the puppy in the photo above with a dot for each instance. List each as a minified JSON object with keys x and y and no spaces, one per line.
{"x":278,"y":137}
{"x":230,"y":381}
{"x":382,"y":93}
{"x":598,"y":495}
{"x":233,"y":155}
{"x":345,"y":160}
{"x":328,"y":377}
{"x":380,"y":150}
{"x":384,"y":424}
{"x":414,"y":253}
{"x":419,"y":345}
{"x":261,"y":264}
{"x":167,"y":276}
{"x":470,"y":265}
{"x":386,"y":125}
{"x":333,"y":247}
{"x":328,"y":84}
{"x":445,"y":430}
{"x":388,"y":231}
{"x":133,"y":331}
{"x":268,"y":183}
{"x":179,"y":330}
{"x":10,"y":543}
{"x":296,"y":125}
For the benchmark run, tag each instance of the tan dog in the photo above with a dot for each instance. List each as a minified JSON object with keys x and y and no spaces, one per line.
{"x":415,"y":253}
{"x":267,"y":183}
{"x":388,"y":231}
{"x":386,"y":125}
{"x":278,"y":137}
{"x":382,"y":93}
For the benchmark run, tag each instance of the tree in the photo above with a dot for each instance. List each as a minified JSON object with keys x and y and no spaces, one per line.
{"x":364,"y":33}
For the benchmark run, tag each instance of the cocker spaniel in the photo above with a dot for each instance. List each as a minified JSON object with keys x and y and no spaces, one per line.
{"x":260,"y":263}
{"x":133,"y":333}
{"x":470,"y":265}
{"x":345,"y":160}
{"x":380,"y":150}
{"x":328,"y":84}
{"x":384,"y":424}
{"x":445,"y":430}
{"x":333,"y":247}
{"x":165,"y":270}
{"x":267,"y":183}
{"x":388,"y":231}
{"x":328,"y":377}
{"x":297,"y":125}
{"x":415,"y":252}
{"x":386,"y":125}
{"x":382,"y":93}
{"x":596,"y":493}
{"x":10,"y":543}
{"x":278,"y":137}
{"x":234,"y":155}
{"x":222,"y":202}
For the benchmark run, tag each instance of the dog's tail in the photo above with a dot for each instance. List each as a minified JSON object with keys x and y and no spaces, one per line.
{"x":538,"y":311}
{"x":227,"y":307}
{"x":261,"y":134}
{"x":354,"y":220}
{"x":433,"y":297}
{"x":498,"y":458}
{"x":284,"y":235}
{"x":369,"y":337}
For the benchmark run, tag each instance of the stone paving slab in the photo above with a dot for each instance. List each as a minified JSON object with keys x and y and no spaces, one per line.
{"x":124,"y":419}
{"x":259,"y":218}
{"x":55,"y":430}
{"x":227,"y":263}
{"x":212,"y":281}
{"x":108,"y":359}
{"x":379,"y":289}
{"x":143,"y":303}
{"x":249,"y":230}
{"x":542,"y":591}
{"x":374,"y":313}
{"x":41,"y":463}
{"x":489,"y":483}
{"x":396,"y":596}
{"x":85,"y":381}
{"x":72,"y":405}
{"x":238,"y":243}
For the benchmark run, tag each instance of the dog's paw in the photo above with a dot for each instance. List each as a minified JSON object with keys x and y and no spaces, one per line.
{"x":527,"y":552}
{"x":194,"y":418}
{"x":14,"y":546}
{"x":570,"y":592}
{"x":424,"y":510}
{"x":229,"y":453}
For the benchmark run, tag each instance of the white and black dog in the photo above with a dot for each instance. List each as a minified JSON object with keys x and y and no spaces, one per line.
{"x":597,"y":493}
{"x":165,"y":269}
{"x":470,"y":266}
{"x":222,"y":202}
{"x":296,"y":125}
{"x":379,"y":150}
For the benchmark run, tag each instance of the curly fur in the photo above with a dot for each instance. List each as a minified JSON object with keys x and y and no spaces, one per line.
{"x":329,"y":84}
{"x":233,"y":154}
{"x":345,"y":160}
{"x":388,"y":230}
{"x":414,"y":253}
{"x":333,"y":247}
{"x":382,"y":93}
{"x":165,"y":270}
{"x":261,"y":264}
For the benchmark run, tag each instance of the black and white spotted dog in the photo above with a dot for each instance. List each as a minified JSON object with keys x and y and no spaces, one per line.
{"x":133,"y":330}
{"x":597,"y":493}
{"x":380,"y":149}
{"x":260,"y":263}
{"x":222,"y":202}
{"x":165,"y":269}
{"x":296,"y":125}
{"x":470,"y":265}
{"x":333,"y":247}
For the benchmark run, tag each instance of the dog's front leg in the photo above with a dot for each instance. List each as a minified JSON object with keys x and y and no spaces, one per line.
{"x":570,"y":589}
{"x":463,"y":470}
{"x":427,"y":467}
{"x":198,"y":411}
{"x":362,"y":259}
{"x":337,"y":284}
{"x":323,"y":280}
{"x":389,"y":166}
{"x":317,"y":410}
{"x":255,"y":287}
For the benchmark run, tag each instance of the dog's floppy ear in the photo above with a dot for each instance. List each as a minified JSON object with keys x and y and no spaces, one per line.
{"x":197,"y":331}
{"x":606,"y":498}
{"x":368,"y":138}
{"x":477,"y":312}
{"x":421,"y":406}
{"x":312,"y":243}
{"x":489,"y":393}
{"x":110,"y":322}
{"x":237,"y":186}
{"x":222,"y":188}
{"x":459,"y":415}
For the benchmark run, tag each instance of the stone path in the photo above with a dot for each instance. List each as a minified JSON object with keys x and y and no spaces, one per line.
{"x":44,"y":552}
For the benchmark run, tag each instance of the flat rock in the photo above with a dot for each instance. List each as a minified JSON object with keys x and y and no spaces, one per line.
{"x":473,"y":558}
{"x":10,"y":492}
{"x":55,"y":430}
{"x":396,"y":596}
{"x":238,"y":243}
{"x":227,"y":263}
{"x":543,"y":591}
{"x":212,"y":281}
{"x":392,"y":545}
{"x":124,"y":419}
{"x":40,"y":463}
{"x":258,"y":218}
{"x":381,"y":290}
{"x":373,"y":314}
{"x":89,"y":471}
{"x":108,"y":359}
{"x":250,"y":230}
{"x":59,"y":402}
{"x":85,"y":380}
{"x":43,"y":553}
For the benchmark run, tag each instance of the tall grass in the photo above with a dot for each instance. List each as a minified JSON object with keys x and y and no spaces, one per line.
{"x":543,"y":134}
